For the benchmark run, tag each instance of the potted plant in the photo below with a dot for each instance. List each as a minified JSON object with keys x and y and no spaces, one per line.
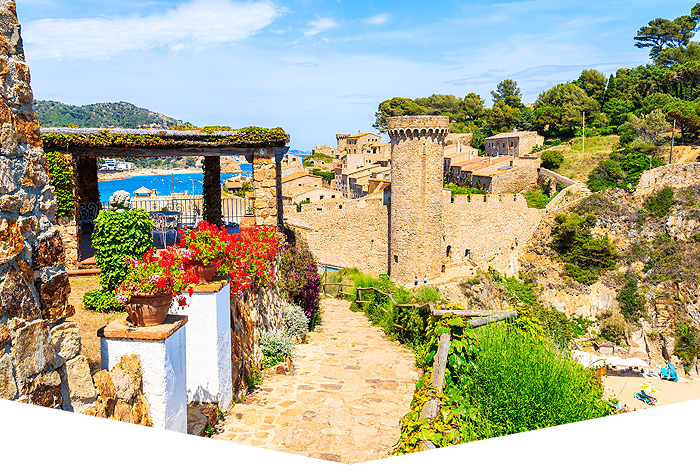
{"x":202,"y":249}
{"x":247,"y":224}
{"x":150,"y":285}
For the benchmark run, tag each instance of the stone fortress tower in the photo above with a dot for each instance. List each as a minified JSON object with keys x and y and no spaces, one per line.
{"x":415,"y":229}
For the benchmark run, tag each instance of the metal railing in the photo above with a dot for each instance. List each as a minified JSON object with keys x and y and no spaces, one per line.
{"x":232,"y":209}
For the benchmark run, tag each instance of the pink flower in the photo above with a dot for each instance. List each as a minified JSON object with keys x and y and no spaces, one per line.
{"x":121,"y":298}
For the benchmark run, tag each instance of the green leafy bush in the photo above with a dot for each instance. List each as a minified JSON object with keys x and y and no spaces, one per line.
{"x":585,"y":257}
{"x":296,"y":323}
{"x":621,"y":171}
{"x":275,"y":345}
{"x":329,"y":176}
{"x":687,"y":344}
{"x":463,"y":189}
{"x":119,"y":235}
{"x":101,"y":301}
{"x":580,"y":325}
{"x":660,"y":202}
{"x":613,"y":329}
{"x":631,"y":303}
{"x":537,"y":198}
{"x":552,"y":159}
{"x":61,"y":176}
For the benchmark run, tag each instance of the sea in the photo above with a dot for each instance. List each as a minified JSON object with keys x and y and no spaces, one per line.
{"x":164,"y":184}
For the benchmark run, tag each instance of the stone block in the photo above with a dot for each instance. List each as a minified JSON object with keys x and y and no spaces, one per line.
{"x":124,"y":385}
{"x":140,"y":410}
{"x":26,"y":270}
{"x":4,"y":46}
{"x":4,"y":336}
{"x":55,"y":292}
{"x":33,"y":349}
{"x":123,"y":412}
{"x":48,"y":251}
{"x":28,"y":132}
{"x":11,"y":240}
{"x":8,"y":387}
{"x":24,"y":93}
{"x":7,"y":180}
{"x":28,"y":204}
{"x":27,"y":225}
{"x":60,"y":312}
{"x":8,"y":143}
{"x":105,"y":387}
{"x":45,"y":389}
{"x":98,"y":409}
{"x":47,"y":200}
{"x":22,"y":71}
{"x":9,"y":203}
{"x":16,"y":298}
{"x":131,"y":364}
{"x":79,"y":392}
{"x":65,"y":336}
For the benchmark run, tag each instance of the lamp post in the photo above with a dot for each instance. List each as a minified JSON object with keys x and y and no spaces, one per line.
{"x":673,"y":137}
{"x":583,"y":134}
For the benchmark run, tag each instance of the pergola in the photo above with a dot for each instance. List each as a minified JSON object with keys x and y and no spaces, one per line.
{"x":264,"y":148}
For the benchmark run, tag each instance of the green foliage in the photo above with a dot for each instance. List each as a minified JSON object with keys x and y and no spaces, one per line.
{"x":101,"y":301}
{"x":613,"y":329}
{"x":246,"y":187}
{"x":660,"y":202}
{"x":299,"y":281}
{"x":463,"y":189}
{"x":631,"y":302}
{"x":593,"y":83}
{"x":275,"y":345}
{"x":560,"y":109}
{"x":552,"y":159}
{"x":252,"y":376}
{"x":580,"y":325}
{"x":395,"y":107}
{"x":209,"y":431}
{"x":507,"y":92}
{"x":299,"y":204}
{"x":585,"y":257}
{"x":119,"y":235}
{"x":61,"y":176}
{"x":687,"y":345}
{"x":326,"y":175}
{"x":122,"y":114}
{"x":621,"y":171}
{"x":538,"y":199}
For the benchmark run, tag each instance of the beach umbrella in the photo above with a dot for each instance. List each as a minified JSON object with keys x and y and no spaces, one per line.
{"x":649,"y":387}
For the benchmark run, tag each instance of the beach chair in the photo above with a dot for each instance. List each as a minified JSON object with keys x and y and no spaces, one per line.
{"x":663,"y":373}
{"x":649,"y":397}
{"x":644,"y":398}
{"x":672,"y":375}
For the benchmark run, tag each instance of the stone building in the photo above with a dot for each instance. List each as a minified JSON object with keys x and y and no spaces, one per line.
{"x":514,"y":175}
{"x":411,"y":227}
{"x":307,"y":194}
{"x":326,"y":150}
{"x":362,"y":142}
{"x":513,"y":144}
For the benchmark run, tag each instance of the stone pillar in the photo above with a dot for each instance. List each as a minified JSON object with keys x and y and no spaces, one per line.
{"x":87,"y":188}
{"x":209,"y":345}
{"x":212,"y":189}
{"x":265,"y":186}
{"x":417,"y":156}
{"x":162,"y":350}
{"x":33,"y":283}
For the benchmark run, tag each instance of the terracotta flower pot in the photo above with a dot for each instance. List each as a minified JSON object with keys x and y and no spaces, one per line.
{"x":205,"y":272}
{"x":148,"y":310}
{"x":247,"y":224}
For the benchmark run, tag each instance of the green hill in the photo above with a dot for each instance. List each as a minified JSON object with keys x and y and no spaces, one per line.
{"x":122,"y":114}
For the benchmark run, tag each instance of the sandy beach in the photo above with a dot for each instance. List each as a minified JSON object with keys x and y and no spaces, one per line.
{"x":624,"y":388}
{"x":120,"y":175}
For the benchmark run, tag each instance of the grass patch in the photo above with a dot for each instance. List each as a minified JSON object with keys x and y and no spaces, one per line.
{"x":576,"y":165}
{"x":538,"y":199}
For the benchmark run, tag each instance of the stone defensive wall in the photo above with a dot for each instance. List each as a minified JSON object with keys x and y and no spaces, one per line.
{"x":563,"y":180}
{"x":521,"y":178}
{"x":493,"y":228}
{"x":677,"y":176}
{"x":490,"y":230}
{"x":355,"y":230}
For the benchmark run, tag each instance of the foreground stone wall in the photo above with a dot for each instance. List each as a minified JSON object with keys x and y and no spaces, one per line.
{"x":35,"y":340}
{"x":677,"y":176}
{"x":523,"y":177}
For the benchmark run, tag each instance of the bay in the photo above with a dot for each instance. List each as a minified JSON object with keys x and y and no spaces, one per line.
{"x":164,"y":184}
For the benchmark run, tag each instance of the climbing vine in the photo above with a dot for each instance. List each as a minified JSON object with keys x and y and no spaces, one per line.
{"x":61,"y":176}
{"x":248,"y":136}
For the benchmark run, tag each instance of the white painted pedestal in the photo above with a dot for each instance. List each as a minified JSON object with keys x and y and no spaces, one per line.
{"x":209,"y":344}
{"x":162,"y":350}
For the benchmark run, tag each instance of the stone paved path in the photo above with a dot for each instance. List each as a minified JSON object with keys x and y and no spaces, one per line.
{"x":351,"y":386}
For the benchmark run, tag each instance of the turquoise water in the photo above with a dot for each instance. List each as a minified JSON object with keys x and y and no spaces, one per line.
{"x":164,"y":184}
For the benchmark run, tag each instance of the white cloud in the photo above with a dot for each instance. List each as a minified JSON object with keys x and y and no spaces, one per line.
{"x":377,"y":19}
{"x":320,"y":25}
{"x":194,"y":25}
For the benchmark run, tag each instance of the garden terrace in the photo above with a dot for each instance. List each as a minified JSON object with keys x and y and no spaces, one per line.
{"x":264,"y":148}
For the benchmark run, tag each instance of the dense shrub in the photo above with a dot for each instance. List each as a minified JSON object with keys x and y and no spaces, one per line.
{"x":275,"y":345}
{"x":552,"y":159}
{"x":631,"y":303}
{"x":119,"y":235}
{"x":537,"y":198}
{"x":660,"y":202}
{"x":687,"y":345}
{"x":585,"y":257}
{"x":463,"y":189}
{"x":299,"y":280}
{"x":296,"y":323}
{"x":101,"y":301}
{"x":61,"y":176}
{"x":621,"y":171}
{"x":613,"y":329}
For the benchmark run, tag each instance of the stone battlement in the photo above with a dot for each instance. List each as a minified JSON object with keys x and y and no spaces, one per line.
{"x":417,"y":126}
{"x":495,"y":201}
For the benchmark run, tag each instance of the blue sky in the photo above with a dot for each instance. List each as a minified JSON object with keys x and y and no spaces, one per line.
{"x":318,"y":67}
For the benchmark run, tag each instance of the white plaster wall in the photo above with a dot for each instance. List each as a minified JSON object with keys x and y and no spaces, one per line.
{"x":164,"y":375}
{"x":209,"y":348}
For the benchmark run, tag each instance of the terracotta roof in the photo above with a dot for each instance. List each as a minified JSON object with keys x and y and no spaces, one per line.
{"x":362,"y":134}
{"x":296,"y":175}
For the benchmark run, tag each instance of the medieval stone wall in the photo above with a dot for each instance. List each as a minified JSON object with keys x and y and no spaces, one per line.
{"x":677,"y":176}
{"x":523,"y":177}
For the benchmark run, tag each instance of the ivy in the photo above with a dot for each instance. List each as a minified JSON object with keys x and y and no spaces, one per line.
{"x":61,"y":176}
{"x":245,"y":136}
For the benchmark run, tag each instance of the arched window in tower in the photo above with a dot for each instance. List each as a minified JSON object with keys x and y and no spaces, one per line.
{"x":448,"y":252}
